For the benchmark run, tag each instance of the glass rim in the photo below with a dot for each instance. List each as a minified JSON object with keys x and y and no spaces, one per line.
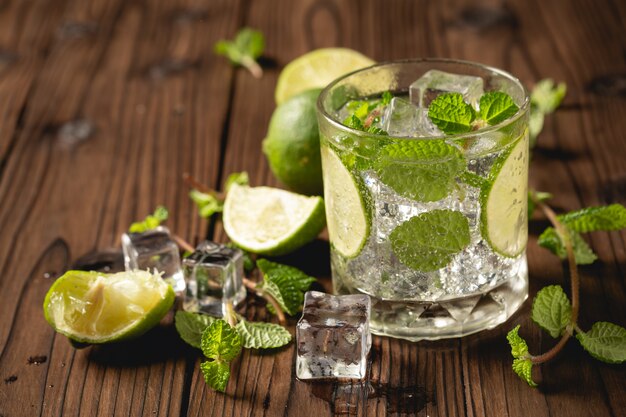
{"x":523,"y":109}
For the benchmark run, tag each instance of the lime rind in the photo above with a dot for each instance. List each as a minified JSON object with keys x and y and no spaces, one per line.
{"x":270,"y":221}
{"x":68,"y":310}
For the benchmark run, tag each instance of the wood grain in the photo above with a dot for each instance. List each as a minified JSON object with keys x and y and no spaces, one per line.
{"x":103,"y":106}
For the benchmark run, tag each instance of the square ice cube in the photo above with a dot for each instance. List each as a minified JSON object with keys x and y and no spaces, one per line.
{"x":333,"y":336}
{"x":402,"y":118}
{"x":214,"y":277}
{"x":435,"y":82}
{"x":154,"y":249}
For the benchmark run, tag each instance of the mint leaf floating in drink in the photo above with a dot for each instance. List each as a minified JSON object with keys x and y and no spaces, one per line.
{"x":552,"y":310}
{"x":522,"y":364}
{"x":605,"y":342}
{"x":150,"y":222}
{"x":423,"y":170}
{"x":451,"y":114}
{"x":428,"y":241}
{"x":496,"y":107}
{"x":285,"y":283}
{"x":258,"y":335}
{"x":247,"y":46}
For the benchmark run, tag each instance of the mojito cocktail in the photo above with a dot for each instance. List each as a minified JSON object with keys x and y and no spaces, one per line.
{"x":425,"y":169}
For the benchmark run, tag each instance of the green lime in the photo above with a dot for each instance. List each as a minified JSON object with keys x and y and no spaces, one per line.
{"x":270,"y":221}
{"x":91,"y":307}
{"x":292,"y":145}
{"x":348,"y":227}
{"x":317,"y":69}
{"x":504,"y":202}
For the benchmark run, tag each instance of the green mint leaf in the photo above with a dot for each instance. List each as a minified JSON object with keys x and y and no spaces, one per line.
{"x":552,"y":310}
{"x":551,"y":240}
{"x":216,"y":374}
{"x":220,"y":341}
{"x":428,"y":241}
{"x":519,"y":348}
{"x":285,"y":283}
{"x":450,"y":113}
{"x":539,"y":195}
{"x":423,"y":170}
{"x":593,"y":219}
{"x":524,"y":368}
{"x":190,"y":326}
{"x":605,"y":342}
{"x":150,"y":222}
{"x":546,"y":96}
{"x":250,"y":42}
{"x":376,"y":131}
{"x":208,"y":204}
{"x":244,"y":50}
{"x":239,"y":178}
{"x":473,"y":179}
{"x":386,"y":98}
{"x":496,"y":107}
{"x":354,"y":122}
{"x":258,"y":335}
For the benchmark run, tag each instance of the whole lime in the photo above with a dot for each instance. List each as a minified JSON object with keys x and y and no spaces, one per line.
{"x":292,"y":144}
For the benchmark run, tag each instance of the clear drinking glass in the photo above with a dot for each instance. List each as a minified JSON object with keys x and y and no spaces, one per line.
{"x":432,"y":227}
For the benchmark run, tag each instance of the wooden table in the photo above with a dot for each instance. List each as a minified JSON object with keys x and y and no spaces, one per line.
{"x":105,"y":103}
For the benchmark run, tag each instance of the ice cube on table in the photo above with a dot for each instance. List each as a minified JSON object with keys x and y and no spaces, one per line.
{"x":154,"y":250}
{"x":214,"y":277}
{"x":434,"y":82}
{"x":333,"y":336}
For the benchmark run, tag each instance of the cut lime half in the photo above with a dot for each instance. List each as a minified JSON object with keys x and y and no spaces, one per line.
{"x":505,"y":200}
{"x":317,"y":69}
{"x":91,"y":307}
{"x":270,"y":221}
{"x":348,"y":227}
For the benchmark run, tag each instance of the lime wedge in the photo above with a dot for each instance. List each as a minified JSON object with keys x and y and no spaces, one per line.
{"x":317,"y":69}
{"x":504,"y":202}
{"x":270,"y":221}
{"x":91,"y":307}
{"x":348,"y":227}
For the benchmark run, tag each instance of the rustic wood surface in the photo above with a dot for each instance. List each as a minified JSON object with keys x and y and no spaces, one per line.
{"x":105,"y":103}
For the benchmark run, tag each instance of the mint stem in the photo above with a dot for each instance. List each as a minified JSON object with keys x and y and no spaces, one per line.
{"x":192,"y":182}
{"x":182,"y":243}
{"x":252,"y":66}
{"x":574,"y":277}
{"x":231,"y":316}
{"x":252,"y":286}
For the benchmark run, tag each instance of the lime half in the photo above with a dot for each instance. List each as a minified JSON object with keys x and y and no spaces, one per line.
{"x":270,"y":221}
{"x":91,"y":307}
{"x":317,"y":69}
{"x":348,"y":227}
{"x":505,"y":200}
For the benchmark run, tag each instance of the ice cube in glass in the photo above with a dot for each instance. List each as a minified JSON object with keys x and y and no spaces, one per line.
{"x":402,"y":118}
{"x":214,"y":277}
{"x":333,"y":336}
{"x":434,"y":82}
{"x":154,"y":250}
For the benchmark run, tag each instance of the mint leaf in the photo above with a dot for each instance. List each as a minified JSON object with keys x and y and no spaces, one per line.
{"x":539,"y":195}
{"x":190,"y":326}
{"x":519,"y":348}
{"x":605,"y":342}
{"x":546,"y":96}
{"x":216,"y":374}
{"x":423,"y":170}
{"x":239,"y":178}
{"x":250,"y":42}
{"x":285,"y":283}
{"x":386,"y":98}
{"x":354,"y":122}
{"x":552,"y":310}
{"x":247,"y":46}
{"x":208,"y":204}
{"x":524,"y":368}
{"x":450,"y":113}
{"x":551,"y":240}
{"x":220,"y":341}
{"x":496,"y":107}
{"x":150,"y":222}
{"x":593,"y":219}
{"x":429,"y":241}
{"x":258,"y":335}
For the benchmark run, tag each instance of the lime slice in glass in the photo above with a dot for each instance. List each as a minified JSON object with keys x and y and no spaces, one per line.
{"x":92,"y":307}
{"x":348,"y":227}
{"x":317,"y":69}
{"x":270,"y":221}
{"x":504,"y":202}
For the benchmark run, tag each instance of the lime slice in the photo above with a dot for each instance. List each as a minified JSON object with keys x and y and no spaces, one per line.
{"x":91,"y":307}
{"x":317,"y":69}
{"x":270,"y":221}
{"x":348,"y":227}
{"x":504,"y":202}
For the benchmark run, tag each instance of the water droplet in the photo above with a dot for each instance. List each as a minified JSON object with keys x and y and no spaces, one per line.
{"x":74,"y":132}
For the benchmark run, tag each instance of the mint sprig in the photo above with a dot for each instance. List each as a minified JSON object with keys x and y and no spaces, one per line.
{"x":451,"y":114}
{"x":151,"y":221}
{"x":522,"y":364}
{"x":247,"y":46}
{"x":285,"y":283}
{"x":190,"y":326}
{"x":208,"y":201}
{"x":221,"y":344}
